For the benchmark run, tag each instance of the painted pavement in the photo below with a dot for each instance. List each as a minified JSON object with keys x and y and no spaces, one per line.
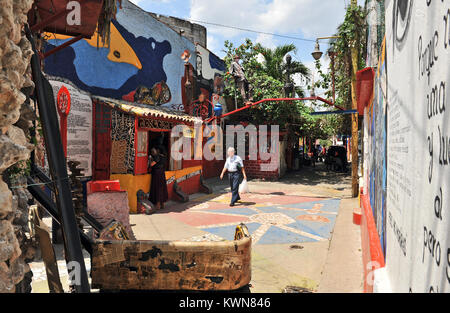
{"x":270,"y":218}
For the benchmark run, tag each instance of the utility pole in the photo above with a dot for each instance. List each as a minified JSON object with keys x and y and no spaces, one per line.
{"x":332,"y":55}
{"x":317,"y":54}
{"x":355,"y":178}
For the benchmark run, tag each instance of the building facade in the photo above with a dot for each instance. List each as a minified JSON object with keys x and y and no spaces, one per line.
{"x":406,"y":241}
{"x":126,"y":98}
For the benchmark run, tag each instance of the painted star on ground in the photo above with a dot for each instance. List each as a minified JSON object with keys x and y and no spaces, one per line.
{"x":270,"y":218}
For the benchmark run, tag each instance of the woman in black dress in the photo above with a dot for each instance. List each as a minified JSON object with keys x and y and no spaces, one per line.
{"x":158,"y":188}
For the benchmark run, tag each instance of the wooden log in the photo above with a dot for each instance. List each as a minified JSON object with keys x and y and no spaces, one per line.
{"x":159,"y":265}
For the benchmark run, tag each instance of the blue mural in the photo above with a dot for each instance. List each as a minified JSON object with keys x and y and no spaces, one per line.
{"x":378,"y":148}
{"x":143,"y":63}
{"x":217,"y":63}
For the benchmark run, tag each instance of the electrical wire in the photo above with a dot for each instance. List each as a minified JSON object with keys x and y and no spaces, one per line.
{"x":37,"y":184}
{"x":231,"y":27}
{"x":250,"y":30}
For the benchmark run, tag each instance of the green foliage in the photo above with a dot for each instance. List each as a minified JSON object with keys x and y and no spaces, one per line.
{"x":325,"y":143}
{"x":274,"y":64}
{"x":325,"y":126}
{"x":267,"y":79}
{"x":351,"y":33}
{"x":18,"y":170}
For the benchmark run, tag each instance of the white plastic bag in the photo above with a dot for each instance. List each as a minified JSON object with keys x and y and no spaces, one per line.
{"x":243,"y":187}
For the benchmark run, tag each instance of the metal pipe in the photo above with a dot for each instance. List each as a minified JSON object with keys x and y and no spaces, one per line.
{"x":39,"y":173}
{"x":58,"y":168}
{"x":335,"y":112}
{"x":62,"y":46}
{"x":38,"y":27}
{"x":329,"y":37}
{"x":275,"y":99}
{"x":86,"y":216}
{"x":92,"y":221}
{"x":50,"y":207}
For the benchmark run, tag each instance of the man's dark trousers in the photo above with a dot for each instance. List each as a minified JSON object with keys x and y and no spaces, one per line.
{"x":234,"y":178}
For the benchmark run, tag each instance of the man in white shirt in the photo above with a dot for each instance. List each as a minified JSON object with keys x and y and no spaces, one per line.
{"x":234,"y":166}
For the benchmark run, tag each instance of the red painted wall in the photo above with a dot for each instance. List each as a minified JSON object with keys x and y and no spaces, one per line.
{"x":212,"y":169}
{"x":102,"y":141}
{"x":191,"y":186}
{"x":253,"y":170}
{"x":373,"y":257}
{"x":191,"y":163}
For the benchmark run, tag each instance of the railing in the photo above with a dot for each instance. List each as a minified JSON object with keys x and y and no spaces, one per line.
{"x":273,"y":100}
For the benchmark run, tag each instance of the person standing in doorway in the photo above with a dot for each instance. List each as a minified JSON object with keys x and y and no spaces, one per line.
{"x":235,"y":168}
{"x":158,"y":188}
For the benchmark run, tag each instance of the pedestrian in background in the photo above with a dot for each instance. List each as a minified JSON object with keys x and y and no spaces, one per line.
{"x":235,"y":168}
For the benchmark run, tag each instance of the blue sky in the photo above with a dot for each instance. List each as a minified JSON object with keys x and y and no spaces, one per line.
{"x":306,"y":19}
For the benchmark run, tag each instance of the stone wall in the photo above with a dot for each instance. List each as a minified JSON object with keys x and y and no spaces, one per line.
{"x":194,"y":32}
{"x":15,"y":112}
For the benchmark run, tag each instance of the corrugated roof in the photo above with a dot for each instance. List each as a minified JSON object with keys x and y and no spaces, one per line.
{"x":148,"y":112}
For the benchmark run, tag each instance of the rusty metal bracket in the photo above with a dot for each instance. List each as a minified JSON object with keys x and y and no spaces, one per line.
{"x":62,"y":46}
{"x":177,"y":190}
{"x":58,"y":168}
{"x":51,"y":208}
{"x":37,"y":28}
{"x":208,"y":189}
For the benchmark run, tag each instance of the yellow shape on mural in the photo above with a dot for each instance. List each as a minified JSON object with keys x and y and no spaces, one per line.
{"x":119,"y":51}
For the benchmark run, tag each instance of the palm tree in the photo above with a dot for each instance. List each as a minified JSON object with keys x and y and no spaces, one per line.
{"x":275,"y":66}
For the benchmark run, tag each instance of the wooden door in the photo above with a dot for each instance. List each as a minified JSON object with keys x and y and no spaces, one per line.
{"x":141,"y":166}
{"x":102,"y":141}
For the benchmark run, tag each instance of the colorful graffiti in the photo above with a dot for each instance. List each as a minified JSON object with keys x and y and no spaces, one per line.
{"x":142,"y":64}
{"x":210,"y":72}
{"x":377,"y":150}
{"x":202,"y":88}
{"x":418,"y":176}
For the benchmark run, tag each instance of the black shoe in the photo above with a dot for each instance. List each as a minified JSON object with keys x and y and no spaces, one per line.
{"x":231,"y":204}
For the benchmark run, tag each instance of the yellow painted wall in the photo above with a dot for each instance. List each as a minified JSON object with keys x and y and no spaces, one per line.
{"x":132,"y":184}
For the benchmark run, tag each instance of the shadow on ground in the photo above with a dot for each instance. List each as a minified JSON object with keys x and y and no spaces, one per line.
{"x":313,"y":176}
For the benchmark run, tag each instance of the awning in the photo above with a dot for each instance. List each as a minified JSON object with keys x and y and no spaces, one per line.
{"x":142,"y":111}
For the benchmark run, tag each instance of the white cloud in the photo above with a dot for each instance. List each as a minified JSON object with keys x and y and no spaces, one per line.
{"x":137,"y":2}
{"x":325,"y":62}
{"x":266,"y":40}
{"x":311,"y":17}
{"x":214,"y":44}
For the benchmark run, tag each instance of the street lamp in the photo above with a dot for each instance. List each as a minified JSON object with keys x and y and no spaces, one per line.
{"x":317,"y":54}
